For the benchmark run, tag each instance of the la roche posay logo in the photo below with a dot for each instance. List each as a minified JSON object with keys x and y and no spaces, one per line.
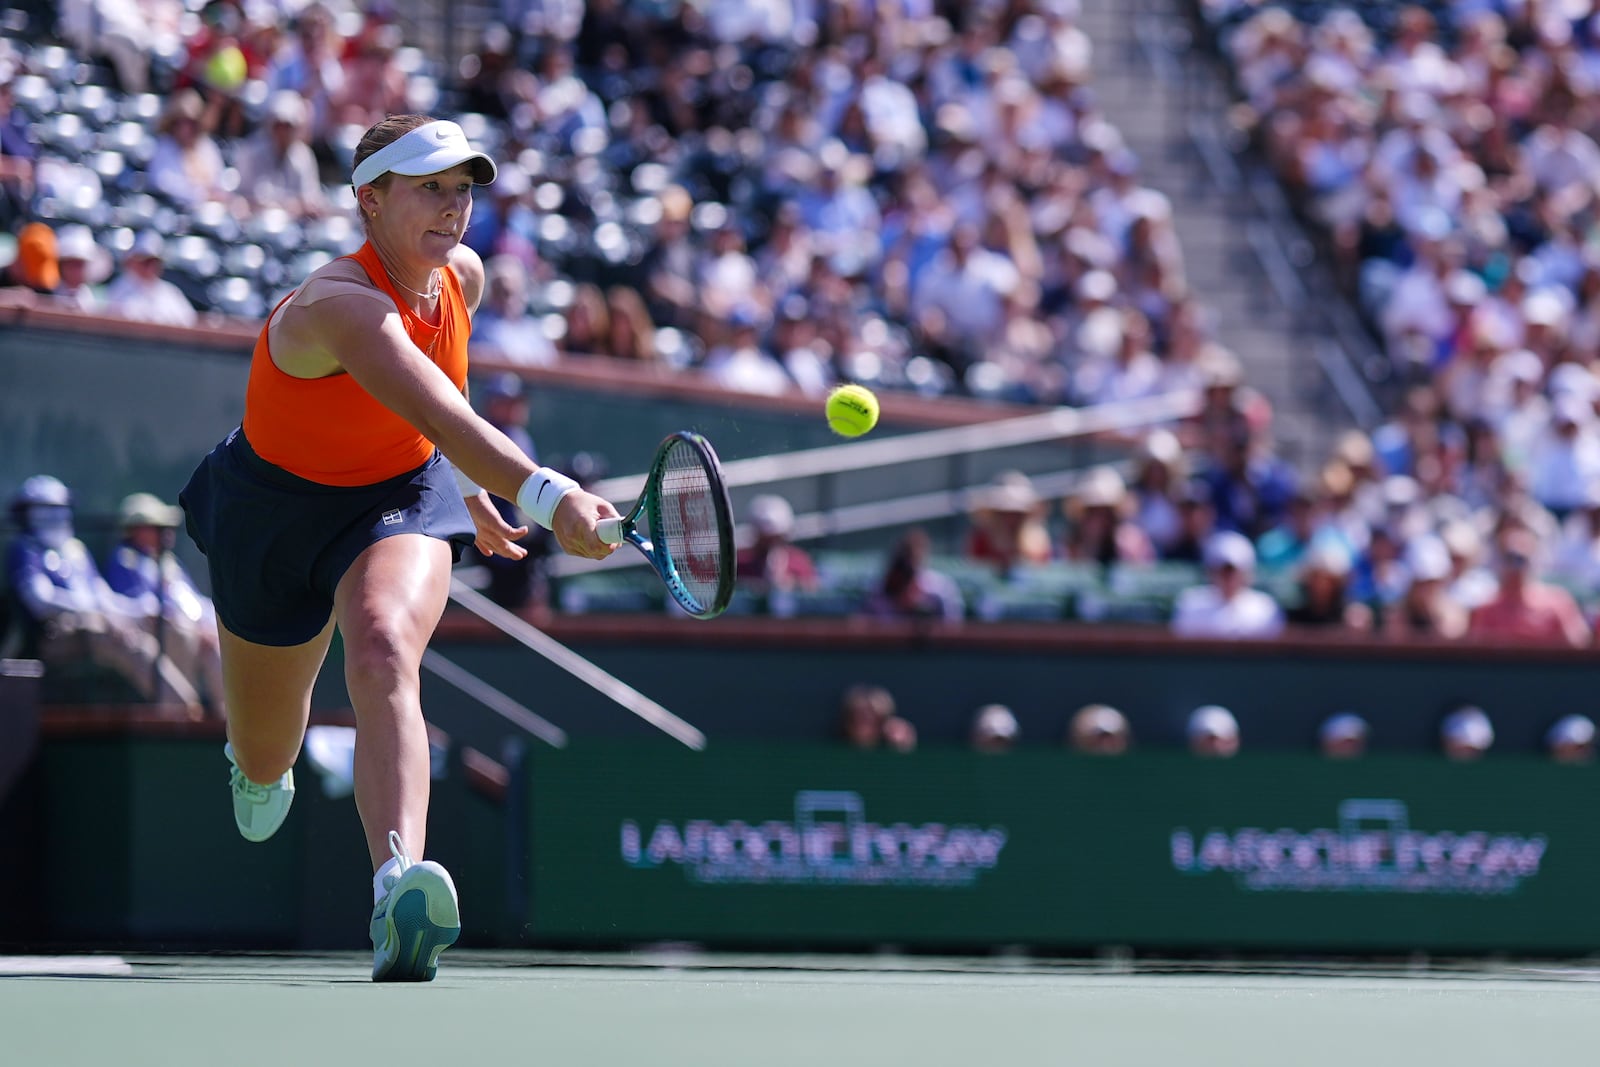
{"x":830,"y":841}
{"x":1373,"y":850}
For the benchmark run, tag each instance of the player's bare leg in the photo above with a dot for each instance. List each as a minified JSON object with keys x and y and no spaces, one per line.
{"x":387,"y":605}
{"x":268,"y":695}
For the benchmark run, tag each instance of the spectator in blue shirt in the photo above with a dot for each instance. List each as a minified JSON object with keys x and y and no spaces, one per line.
{"x":1250,"y":488}
{"x":17,"y":155}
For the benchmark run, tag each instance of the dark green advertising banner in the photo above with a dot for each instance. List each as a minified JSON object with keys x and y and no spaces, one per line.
{"x":811,"y":846}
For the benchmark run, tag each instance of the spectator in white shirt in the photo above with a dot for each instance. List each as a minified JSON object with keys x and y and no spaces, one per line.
{"x":1566,"y":459}
{"x":277,"y":166}
{"x":84,"y":265}
{"x":741,"y":364}
{"x":187,"y":166}
{"x":141,"y":294}
{"x":1227,"y":607}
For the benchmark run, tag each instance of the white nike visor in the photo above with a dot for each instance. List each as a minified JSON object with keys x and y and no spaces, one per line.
{"x":427,"y":149}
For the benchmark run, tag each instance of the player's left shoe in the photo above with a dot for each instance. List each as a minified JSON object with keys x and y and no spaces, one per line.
{"x":417,"y":919}
{"x":258,"y":810}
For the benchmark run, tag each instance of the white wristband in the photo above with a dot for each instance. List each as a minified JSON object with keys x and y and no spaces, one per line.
{"x":541,"y":493}
{"x":467,"y":486}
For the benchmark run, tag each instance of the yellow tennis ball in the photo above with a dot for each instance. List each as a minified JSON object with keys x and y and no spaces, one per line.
{"x":852,"y":410}
{"x":226,"y":69}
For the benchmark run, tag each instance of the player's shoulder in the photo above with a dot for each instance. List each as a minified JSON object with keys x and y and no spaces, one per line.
{"x":338,"y":289}
{"x":468,"y":268}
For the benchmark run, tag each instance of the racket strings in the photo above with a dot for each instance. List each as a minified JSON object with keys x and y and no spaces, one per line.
{"x":689,"y":523}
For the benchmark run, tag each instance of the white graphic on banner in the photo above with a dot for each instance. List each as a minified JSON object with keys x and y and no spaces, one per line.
{"x":830,"y":842}
{"x":1373,"y":850}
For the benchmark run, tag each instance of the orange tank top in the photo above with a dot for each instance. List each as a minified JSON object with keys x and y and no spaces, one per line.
{"x":331,"y":430}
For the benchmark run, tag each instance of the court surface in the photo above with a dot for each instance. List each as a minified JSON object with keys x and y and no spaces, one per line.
{"x":687,"y":1009}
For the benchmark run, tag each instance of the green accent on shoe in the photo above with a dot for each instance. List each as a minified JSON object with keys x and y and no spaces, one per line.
{"x":416,"y":920}
{"x":258,"y":810}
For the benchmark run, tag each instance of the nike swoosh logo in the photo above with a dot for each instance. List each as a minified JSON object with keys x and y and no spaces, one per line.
{"x":542,"y":488}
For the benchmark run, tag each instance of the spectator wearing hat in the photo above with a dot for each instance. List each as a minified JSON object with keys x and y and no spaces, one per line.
{"x":1007,"y":524}
{"x":1100,"y":526}
{"x":1525,"y":608}
{"x":187,"y":166}
{"x":1466,"y":734}
{"x":1227,"y":606}
{"x":503,"y":330}
{"x":144,"y":569}
{"x":1426,"y":609}
{"x":867,"y":720}
{"x":1324,"y":587}
{"x":1570,"y":739}
{"x":1343,"y":736}
{"x":36,"y":270}
{"x":68,"y":615}
{"x":1099,"y":730}
{"x":1212,"y":732}
{"x":994,"y":729}
{"x":84,"y":266}
{"x":276,"y":164}
{"x":140,"y":292}
{"x":772,"y":562}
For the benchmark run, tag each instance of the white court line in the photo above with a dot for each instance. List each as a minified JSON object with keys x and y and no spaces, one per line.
{"x":63,"y":966}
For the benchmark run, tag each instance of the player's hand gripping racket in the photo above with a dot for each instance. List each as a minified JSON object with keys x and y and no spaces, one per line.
{"x":683,"y":524}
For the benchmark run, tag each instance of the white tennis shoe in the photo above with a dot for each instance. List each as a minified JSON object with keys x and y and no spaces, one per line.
{"x":258,"y":810}
{"x":417,"y":919}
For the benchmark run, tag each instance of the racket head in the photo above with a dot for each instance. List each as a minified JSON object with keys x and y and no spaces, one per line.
{"x":691,"y":524}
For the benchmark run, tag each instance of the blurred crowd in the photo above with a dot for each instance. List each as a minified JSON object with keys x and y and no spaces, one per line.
{"x":869,"y":719}
{"x":134,"y":620}
{"x":1410,"y":532}
{"x":782,"y":195}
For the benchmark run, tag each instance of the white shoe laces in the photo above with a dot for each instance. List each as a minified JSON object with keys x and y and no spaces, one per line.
{"x":403,"y":859}
{"x":248,"y":790}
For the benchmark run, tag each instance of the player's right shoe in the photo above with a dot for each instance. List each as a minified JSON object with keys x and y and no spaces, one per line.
{"x":258,"y":810}
{"x":417,"y":919}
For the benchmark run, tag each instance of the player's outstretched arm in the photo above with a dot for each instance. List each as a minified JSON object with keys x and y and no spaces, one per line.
{"x":371,"y":344}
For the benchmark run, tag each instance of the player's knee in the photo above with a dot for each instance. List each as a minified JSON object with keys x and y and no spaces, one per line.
{"x":378,"y":656}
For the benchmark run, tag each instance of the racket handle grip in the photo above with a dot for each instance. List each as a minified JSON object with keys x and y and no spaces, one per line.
{"x":609,"y":531}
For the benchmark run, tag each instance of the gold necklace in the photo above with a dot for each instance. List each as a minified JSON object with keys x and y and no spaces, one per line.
{"x":435,"y":283}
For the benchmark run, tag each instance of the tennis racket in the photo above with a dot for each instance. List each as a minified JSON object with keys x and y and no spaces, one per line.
{"x":683,"y":524}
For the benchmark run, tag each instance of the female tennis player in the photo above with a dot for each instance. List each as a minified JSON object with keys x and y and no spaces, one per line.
{"x":334,"y":504}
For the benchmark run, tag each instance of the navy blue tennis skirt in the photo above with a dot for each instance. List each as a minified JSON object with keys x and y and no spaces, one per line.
{"x":277,"y":544}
